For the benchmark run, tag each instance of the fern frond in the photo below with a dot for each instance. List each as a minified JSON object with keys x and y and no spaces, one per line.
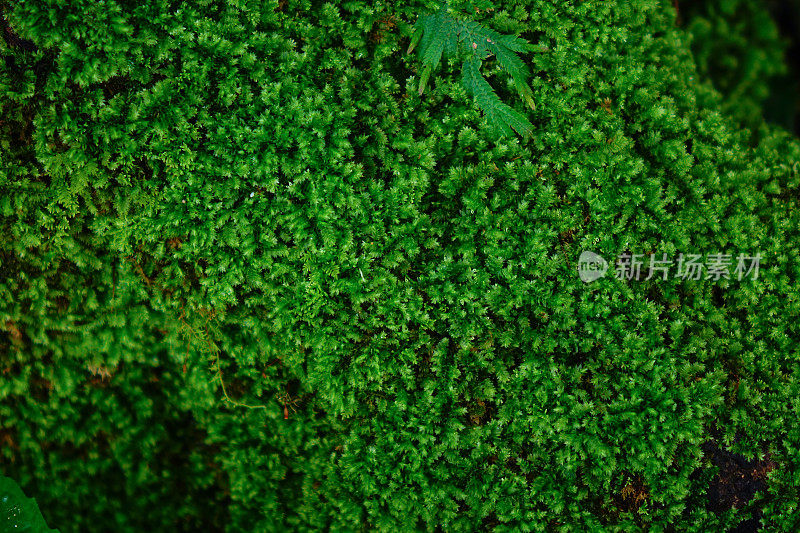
{"x":510,"y":62}
{"x":423,"y":79}
{"x":499,"y":115}
{"x":415,"y":39}
{"x":442,"y":35}
{"x":514,"y":43}
{"x":433,"y":40}
{"x":525,"y":92}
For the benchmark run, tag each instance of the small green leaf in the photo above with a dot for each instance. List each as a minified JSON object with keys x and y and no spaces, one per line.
{"x":526,"y":93}
{"x":423,"y":80}
{"x":415,"y":39}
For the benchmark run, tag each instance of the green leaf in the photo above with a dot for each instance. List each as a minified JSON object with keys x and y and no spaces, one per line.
{"x":423,"y":80}
{"x":500,"y":116}
{"x":526,"y":93}
{"x":415,"y":39}
{"x":441,"y":34}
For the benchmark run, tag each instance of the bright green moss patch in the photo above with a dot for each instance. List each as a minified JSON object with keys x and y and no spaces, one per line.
{"x":252,"y":280}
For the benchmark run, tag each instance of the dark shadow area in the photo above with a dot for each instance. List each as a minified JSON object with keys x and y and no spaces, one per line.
{"x":736,"y":483}
{"x":783,"y":105}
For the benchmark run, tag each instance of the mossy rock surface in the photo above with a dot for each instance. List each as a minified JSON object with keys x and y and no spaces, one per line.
{"x":252,"y":280}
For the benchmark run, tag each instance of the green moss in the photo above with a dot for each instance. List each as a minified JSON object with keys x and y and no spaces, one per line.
{"x":257,"y":195}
